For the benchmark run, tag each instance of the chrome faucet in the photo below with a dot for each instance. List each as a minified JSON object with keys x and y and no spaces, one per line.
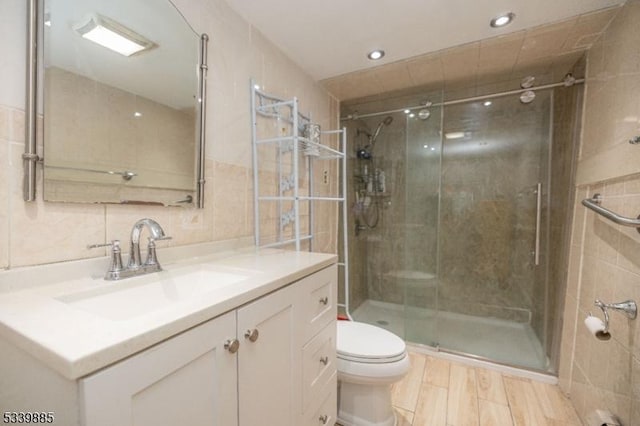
{"x":135,"y":266}
{"x":157,"y":233}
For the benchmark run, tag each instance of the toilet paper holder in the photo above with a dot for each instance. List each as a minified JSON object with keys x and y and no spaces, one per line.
{"x":628,"y":308}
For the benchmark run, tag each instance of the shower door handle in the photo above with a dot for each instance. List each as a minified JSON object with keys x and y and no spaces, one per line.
{"x":536,"y":252}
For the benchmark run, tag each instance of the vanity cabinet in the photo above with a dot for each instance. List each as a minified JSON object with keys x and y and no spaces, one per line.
{"x":281,"y":371}
{"x":189,"y":379}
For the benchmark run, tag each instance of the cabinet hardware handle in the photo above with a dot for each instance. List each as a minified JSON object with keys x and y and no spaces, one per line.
{"x":232,"y":345}
{"x":323,"y":419}
{"x":324,"y":360}
{"x":324,"y":300}
{"x":252,"y":335}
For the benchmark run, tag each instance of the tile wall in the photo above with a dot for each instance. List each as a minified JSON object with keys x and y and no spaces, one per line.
{"x":544,"y":50}
{"x":605,"y":258}
{"x":44,"y":232}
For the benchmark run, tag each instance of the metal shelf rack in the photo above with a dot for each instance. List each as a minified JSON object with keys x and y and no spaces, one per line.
{"x":277,"y":128}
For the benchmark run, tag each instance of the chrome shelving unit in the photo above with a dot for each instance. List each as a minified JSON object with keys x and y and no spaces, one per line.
{"x":292,"y":154}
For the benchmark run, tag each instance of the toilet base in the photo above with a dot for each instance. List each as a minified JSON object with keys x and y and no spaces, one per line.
{"x":365,"y":405}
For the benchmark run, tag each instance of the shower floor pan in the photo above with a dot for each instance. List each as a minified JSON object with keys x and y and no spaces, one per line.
{"x":502,"y":341}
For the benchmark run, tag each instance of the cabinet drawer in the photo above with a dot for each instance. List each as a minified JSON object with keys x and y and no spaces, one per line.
{"x":325,"y":415}
{"x":319,"y":296}
{"x":318,"y":364}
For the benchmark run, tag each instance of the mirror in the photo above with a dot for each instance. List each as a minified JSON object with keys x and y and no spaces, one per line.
{"x":120,"y":102}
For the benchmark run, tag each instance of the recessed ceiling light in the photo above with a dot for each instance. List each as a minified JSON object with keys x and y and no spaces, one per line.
{"x":425,"y":146}
{"x":412,"y":115}
{"x":502,"y":20}
{"x":407,"y":111}
{"x":137,"y":114}
{"x":487,"y":103}
{"x":112,"y":35}
{"x":374,"y":55}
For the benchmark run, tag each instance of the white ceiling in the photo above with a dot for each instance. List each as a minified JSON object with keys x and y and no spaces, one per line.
{"x":332,"y":37}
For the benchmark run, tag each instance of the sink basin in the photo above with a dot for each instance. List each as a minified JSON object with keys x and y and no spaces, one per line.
{"x":138,"y":296}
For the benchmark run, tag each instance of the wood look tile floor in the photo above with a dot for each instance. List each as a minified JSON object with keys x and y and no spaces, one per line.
{"x":438,"y":392}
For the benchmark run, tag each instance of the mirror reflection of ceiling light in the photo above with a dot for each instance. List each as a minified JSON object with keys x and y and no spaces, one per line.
{"x":407,"y":111}
{"x":454,"y":135}
{"x":487,"y":103}
{"x":112,"y":35}
{"x":502,"y":20}
{"x":47,"y":19}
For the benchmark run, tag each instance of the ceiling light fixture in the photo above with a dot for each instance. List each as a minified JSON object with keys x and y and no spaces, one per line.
{"x":374,"y":55}
{"x":112,"y":35}
{"x":502,"y":20}
{"x":487,"y":103}
{"x":454,"y":135}
{"x":407,"y":111}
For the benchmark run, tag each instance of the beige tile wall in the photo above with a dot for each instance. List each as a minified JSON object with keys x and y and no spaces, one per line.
{"x":605,"y":258}
{"x":546,"y":51}
{"x":43,"y":232}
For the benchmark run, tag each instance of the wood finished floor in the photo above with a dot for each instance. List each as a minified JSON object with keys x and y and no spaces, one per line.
{"x":437,"y":392}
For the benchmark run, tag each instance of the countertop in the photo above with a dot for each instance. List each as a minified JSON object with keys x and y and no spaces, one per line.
{"x":36,"y":314}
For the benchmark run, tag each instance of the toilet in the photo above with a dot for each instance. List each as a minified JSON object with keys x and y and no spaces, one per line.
{"x":369,"y":360}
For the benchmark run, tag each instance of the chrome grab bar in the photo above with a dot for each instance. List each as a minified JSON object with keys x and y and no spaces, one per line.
{"x":594,"y":202}
{"x":538,"y":192}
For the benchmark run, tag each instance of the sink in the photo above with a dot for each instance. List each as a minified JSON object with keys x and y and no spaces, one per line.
{"x":138,"y":296}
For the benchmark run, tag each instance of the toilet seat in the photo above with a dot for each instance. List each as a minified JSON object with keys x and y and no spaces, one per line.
{"x":365,"y":343}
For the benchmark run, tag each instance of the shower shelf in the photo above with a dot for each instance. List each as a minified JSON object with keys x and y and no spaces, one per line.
{"x":409,"y":274}
{"x":378,"y":194}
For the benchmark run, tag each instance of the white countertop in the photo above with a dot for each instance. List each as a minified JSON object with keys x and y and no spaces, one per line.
{"x":41,"y":318}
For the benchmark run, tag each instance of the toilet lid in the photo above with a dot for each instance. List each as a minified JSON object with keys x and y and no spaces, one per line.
{"x":362,"y":342}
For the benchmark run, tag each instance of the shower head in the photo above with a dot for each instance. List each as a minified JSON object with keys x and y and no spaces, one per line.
{"x":388,"y":120}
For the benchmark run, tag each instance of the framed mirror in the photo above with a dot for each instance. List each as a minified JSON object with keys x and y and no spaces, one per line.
{"x":123,"y":90}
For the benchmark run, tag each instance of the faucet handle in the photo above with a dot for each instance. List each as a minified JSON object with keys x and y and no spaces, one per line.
{"x":152,"y":258}
{"x":115,"y":267}
{"x":112,"y":243}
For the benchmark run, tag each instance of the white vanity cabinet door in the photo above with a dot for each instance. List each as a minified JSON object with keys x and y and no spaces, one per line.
{"x":188,"y":380}
{"x":268,"y":368}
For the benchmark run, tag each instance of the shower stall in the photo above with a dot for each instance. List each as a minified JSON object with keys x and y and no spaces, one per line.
{"x":459,"y":221}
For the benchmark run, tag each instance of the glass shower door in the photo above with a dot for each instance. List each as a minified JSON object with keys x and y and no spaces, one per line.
{"x":418,"y":228}
{"x":488,"y":299}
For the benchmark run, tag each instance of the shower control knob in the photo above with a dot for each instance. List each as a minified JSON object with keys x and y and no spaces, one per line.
{"x":232,"y":345}
{"x":252,"y":335}
{"x":324,"y":360}
{"x":324,"y":300}
{"x":323,"y":419}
